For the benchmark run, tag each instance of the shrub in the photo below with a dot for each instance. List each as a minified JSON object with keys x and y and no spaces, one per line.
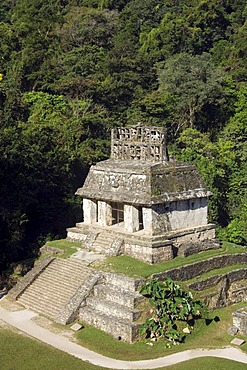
{"x":173,"y":311}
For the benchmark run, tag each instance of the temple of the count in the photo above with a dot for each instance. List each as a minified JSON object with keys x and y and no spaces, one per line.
{"x":142,"y":204}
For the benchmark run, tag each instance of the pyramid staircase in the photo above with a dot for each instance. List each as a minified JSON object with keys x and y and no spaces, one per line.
{"x":102,"y":242}
{"x":95,"y":239}
{"x":59,"y":289}
{"x":114,"y":306}
{"x":107,"y":243}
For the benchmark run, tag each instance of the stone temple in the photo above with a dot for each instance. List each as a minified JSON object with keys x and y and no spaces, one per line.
{"x":141,"y":203}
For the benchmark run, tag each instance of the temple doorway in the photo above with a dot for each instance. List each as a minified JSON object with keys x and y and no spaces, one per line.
{"x":117,"y":213}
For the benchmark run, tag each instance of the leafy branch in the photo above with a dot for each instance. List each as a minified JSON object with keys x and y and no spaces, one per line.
{"x":169,"y":305}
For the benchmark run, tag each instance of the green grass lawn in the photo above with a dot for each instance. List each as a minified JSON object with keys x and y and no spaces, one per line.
{"x":213,"y":335}
{"x":67,"y":246}
{"x":132,"y":267}
{"x":19,"y":352}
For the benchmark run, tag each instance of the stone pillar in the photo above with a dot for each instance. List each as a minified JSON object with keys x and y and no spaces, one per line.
{"x":131,"y":218}
{"x":104,"y":214}
{"x":147,"y":214}
{"x":89,"y":211}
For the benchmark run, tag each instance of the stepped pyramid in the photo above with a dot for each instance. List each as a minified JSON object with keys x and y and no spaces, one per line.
{"x":55,"y":288}
{"x":66,"y":290}
{"x":114,"y":306}
{"x":138,"y":203}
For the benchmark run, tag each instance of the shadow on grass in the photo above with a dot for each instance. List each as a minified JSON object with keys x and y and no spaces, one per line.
{"x":209,"y":321}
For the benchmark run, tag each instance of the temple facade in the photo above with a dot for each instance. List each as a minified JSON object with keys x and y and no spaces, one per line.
{"x":141,"y":203}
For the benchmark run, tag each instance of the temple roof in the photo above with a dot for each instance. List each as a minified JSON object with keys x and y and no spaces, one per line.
{"x":142,"y":182}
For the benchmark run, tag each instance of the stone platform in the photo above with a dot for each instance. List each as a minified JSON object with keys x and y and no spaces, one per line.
{"x":115,"y":240}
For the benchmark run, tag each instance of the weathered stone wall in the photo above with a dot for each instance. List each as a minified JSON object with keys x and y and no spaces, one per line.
{"x":237,"y":292}
{"x":187,"y":213}
{"x":224,"y":294}
{"x":224,"y":290}
{"x":232,"y":276}
{"x":113,"y":306}
{"x":177,"y":180}
{"x":104,"y":213}
{"x":131,"y":218}
{"x":75,"y":236}
{"x":240,"y":320}
{"x":179,"y":215}
{"x":148,"y":254}
{"x":112,"y":185}
{"x":190,"y":271}
{"x":146,"y":247}
{"x":193,"y":235}
{"x":194,"y":247}
{"x":89,"y":211}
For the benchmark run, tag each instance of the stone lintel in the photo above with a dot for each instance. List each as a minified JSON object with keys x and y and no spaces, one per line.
{"x":142,"y":200}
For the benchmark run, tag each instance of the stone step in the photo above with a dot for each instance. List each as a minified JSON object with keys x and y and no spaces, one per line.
{"x":67,"y":262}
{"x":103,"y":242}
{"x":121,"y":281}
{"x":45,"y":305}
{"x":55,"y":295}
{"x":64,"y":276}
{"x":54,"y":276}
{"x":120,"y":296}
{"x":45,"y":309}
{"x":52,"y":285}
{"x":55,"y":286}
{"x":43,"y":301}
{"x":66,"y":281}
{"x":122,"y":330}
{"x":101,"y":246}
{"x":114,"y":310}
{"x":69,"y":278}
{"x":105,"y":238}
{"x":64,"y":265}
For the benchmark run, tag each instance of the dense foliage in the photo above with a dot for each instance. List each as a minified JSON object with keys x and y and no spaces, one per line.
{"x":70,"y":70}
{"x":173,"y":311}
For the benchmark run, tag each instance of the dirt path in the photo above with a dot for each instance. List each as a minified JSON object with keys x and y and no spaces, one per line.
{"x":23,"y":320}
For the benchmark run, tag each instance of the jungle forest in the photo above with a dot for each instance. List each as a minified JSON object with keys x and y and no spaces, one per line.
{"x":70,"y":70}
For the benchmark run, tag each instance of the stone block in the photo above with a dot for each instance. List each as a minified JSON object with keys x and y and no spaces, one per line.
{"x":232,"y":330}
{"x":237,"y":341}
{"x":76,"y":327}
{"x":240,"y":320}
